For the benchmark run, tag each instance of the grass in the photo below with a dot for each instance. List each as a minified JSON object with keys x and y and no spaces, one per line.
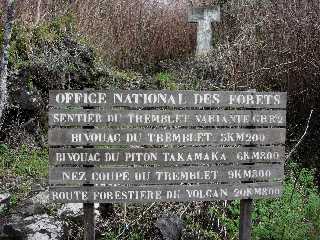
{"x":166,"y":81}
{"x":20,"y":169}
{"x":24,"y":162}
{"x":291,"y":217}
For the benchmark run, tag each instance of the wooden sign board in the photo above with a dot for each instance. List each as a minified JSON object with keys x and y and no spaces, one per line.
{"x":219,"y":118}
{"x":175,"y":99}
{"x":165,"y":193}
{"x":165,"y":156}
{"x":230,"y":136}
{"x":155,"y":146}
{"x":165,"y":175}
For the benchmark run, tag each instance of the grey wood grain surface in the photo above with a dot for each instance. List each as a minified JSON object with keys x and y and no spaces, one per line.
{"x":165,"y":175}
{"x":165,"y":156}
{"x":177,"y":99}
{"x":165,"y":193}
{"x":133,"y":137}
{"x":241,"y":118}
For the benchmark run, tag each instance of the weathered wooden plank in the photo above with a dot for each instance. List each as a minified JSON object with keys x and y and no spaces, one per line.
{"x":76,"y":137}
{"x":165,"y":175}
{"x":153,"y":98}
{"x":165,"y":193}
{"x":64,"y":117}
{"x":164,"y":156}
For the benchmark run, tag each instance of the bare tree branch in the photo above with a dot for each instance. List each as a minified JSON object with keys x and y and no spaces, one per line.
{"x":302,"y":137}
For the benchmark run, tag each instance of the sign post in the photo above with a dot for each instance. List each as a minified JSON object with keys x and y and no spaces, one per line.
{"x":89,"y":221}
{"x":88,"y":208}
{"x":246,"y":207}
{"x":165,"y":146}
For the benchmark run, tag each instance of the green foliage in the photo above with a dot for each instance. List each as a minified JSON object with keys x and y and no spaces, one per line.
{"x":19,"y":46}
{"x":27,"y":41}
{"x":114,"y":236}
{"x":292,"y":217}
{"x":53,"y":31}
{"x":166,"y":80}
{"x":20,"y":169}
{"x":24,"y":162}
{"x":136,"y":236}
{"x":43,"y":57}
{"x":202,"y":233}
{"x":13,"y":200}
{"x":125,"y":75}
{"x":110,"y":236}
{"x":50,"y":48}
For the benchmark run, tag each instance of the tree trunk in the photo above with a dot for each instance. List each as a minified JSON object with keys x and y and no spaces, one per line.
{"x":38,"y":14}
{"x":5,"y":56}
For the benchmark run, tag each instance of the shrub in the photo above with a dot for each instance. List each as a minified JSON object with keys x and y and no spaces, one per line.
{"x":291,"y":217}
{"x":24,"y":162}
{"x":166,"y":81}
{"x":20,"y":169}
{"x":128,"y":33}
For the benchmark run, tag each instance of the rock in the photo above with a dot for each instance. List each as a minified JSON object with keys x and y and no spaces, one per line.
{"x":38,"y":227}
{"x":41,"y":198}
{"x":10,"y":232}
{"x":43,"y":227}
{"x":4,"y":201}
{"x":4,"y":198}
{"x":39,"y":236}
{"x":74,"y":211}
{"x":170,"y":227}
{"x":30,"y":215}
{"x":31,"y":220}
{"x":37,"y":188}
{"x":39,"y":204}
{"x":71,"y":210}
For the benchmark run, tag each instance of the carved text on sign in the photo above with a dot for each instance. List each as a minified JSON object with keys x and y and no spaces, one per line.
{"x":260,"y":136}
{"x":165,"y":156}
{"x":166,"y":193}
{"x":184,"y":118}
{"x":165,"y":146}
{"x":150,"y":175}
{"x":164,"y":98}
{"x":168,"y":98}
